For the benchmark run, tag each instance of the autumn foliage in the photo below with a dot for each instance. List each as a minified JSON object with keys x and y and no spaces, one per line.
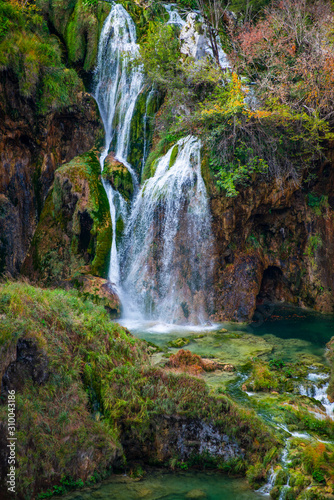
{"x":289,"y":55}
{"x":192,"y":363}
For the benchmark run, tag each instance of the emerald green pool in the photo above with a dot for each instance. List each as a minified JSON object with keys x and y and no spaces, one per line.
{"x":287,"y":333}
{"x":171,"y":486}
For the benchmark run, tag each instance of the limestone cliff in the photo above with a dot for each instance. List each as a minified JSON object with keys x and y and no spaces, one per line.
{"x":275,"y":244}
{"x":32,"y":146}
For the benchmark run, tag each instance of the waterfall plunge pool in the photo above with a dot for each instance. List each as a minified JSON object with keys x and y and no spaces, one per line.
{"x":160,"y":485}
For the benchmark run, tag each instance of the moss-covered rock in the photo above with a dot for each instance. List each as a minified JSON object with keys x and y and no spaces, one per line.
{"x":75,"y":226}
{"x":160,"y":149}
{"x":79,"y":25}
{"x":181,"y":342}
{"x":98,"y":290}
{"x":142,"y":127}
{"x":118,"y":175}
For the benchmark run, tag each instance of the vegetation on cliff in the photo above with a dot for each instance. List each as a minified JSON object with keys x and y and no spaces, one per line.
{"x":75,"y":226}
{"x":86,"y":394}
{"x":278,"y":126}
{"x":35,"y":57}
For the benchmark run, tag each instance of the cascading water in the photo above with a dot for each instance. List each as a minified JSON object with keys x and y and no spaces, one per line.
{"x":167,"y":246}
{"x":174,"y":16}
{"x":118,"y":84}
{"x":162,"y":268}
{"x":146,"y":118}
{"x":318,"y":391}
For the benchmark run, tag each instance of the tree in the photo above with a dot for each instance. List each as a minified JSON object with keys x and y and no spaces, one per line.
{"x":289,"y":53}
{"x":212,"y":12}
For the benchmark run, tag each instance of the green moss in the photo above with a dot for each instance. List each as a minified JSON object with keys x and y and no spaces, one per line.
{"x":178,"y":342}
{"x":147,"y":104}
{"x":165,"y":143}
{"x":173,"y":155}
{"x":100,"y":384}
{"x":75,"y":226}
{"x":119,"y":177}
{"x":79,"y":25}
{"x":56,"y":424}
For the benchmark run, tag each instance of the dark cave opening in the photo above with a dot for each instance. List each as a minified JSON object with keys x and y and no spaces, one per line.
{"x":86,"y":225}
{"x":273,"y":287}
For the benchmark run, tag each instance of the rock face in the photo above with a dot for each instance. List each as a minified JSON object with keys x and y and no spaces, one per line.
{"x":31,"y":148}
{"x":118,"y":175}
{"x":74,"y":233}
{"x":274,"y":243}
{"x":183,"y":437}
{"x":30,"y":363}
{"x":193,"y":41}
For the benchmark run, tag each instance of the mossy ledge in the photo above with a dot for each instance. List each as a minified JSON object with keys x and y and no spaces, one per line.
{"x":74,"y":233}
{"x":87,"y":398}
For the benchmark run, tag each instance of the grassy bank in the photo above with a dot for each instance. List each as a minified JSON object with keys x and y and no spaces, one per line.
{"x":86,"y":396}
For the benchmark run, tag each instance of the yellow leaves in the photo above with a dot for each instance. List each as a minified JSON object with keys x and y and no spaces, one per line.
{"x":230,"y":99}
{"x":259,"y":113}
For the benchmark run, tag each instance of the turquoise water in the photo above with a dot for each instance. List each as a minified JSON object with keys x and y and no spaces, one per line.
{"x":282,"y":332}
{"x":288,"y":333}
{"x":171,"y":486}
{"x":287,"y":323}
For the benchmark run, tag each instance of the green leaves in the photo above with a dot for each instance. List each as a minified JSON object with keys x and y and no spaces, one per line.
{"x":239,"y":172}
{"x":160,"y":54}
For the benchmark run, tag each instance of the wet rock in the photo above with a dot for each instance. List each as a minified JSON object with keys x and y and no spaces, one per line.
{"x":31,"y":148}
{"x":30,"y":363}
{"x":182,"y":437}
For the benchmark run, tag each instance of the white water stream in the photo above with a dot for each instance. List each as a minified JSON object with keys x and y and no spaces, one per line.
{"x":318,"y":391}
{"x":174,"y":16}
{"x":167,"y":242}
{"x":162,"y":267}
{"x":118,"y":84}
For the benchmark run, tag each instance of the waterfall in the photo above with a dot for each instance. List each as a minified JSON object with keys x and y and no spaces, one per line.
{"x":174,"y":16}
{"x":266,"y":489}
{"x":162,"y":268}
{"x":145,"y":121}
{"x":167,"y":245}
{"x":118,"y":84}
{"x":318,"y":391}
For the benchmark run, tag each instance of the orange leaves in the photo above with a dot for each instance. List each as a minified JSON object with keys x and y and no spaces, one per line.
{"x":291,"y":53}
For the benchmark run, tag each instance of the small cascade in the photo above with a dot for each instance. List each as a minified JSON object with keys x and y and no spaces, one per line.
{"x":284,"y":461}
{"x":117,"y":86}
{"x":174,"y":16}
{"x":167,"y":247}
{"x":266,"y":489}
{"x":145,"y":122}
{"x":318,"y":391}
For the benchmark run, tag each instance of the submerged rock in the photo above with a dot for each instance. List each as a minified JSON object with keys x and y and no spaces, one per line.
{"x":196,"y":494}
{"x":178,"y":342}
